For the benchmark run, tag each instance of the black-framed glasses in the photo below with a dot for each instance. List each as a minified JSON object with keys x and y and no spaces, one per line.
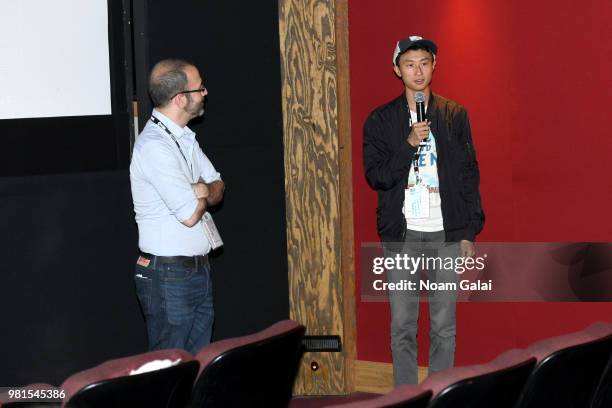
{"x":201,"y":89}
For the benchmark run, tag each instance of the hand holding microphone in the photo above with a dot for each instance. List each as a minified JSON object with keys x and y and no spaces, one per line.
{"x":419,"y":132}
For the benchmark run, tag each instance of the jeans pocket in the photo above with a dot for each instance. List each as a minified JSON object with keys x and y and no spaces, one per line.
{"x":144,"y":289}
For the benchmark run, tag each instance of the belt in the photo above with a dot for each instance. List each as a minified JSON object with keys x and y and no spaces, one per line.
{"x":185,"y":260}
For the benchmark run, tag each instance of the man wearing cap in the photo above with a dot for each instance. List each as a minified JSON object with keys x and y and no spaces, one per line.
{"x":427,"y":179}
{"x":173,"y":184}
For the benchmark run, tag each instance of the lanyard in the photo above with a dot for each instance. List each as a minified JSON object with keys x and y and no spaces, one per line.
{"x":161,"y":125}
{"x":417,"y":155}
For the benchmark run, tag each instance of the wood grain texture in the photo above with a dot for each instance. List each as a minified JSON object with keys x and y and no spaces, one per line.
{"x":371,"y":376}
{"x":312,"y":185}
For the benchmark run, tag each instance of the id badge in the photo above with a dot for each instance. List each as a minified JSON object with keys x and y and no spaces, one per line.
{"x":211,"y":232}
{"x":416,"y":201}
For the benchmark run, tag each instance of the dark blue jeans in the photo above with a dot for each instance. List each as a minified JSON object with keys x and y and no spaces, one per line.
{"x":177,"y":302}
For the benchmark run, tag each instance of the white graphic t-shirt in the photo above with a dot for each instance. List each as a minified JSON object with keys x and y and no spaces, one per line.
{"x":428,"y":172}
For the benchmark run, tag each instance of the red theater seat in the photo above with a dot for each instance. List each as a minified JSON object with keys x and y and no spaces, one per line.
{"x":495,"y":384}
{"x":111,"y":384}
{"x":251,"y":371}
{"x":569,"y":368}
{"x":404,"y":396}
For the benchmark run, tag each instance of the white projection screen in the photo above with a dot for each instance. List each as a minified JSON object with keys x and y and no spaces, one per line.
{"x":54,"y":58}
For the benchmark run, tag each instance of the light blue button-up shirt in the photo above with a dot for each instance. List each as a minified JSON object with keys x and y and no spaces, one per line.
{"x":161,"y":180}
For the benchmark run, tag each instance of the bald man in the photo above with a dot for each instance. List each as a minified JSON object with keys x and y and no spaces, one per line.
{"x":173,"y":184}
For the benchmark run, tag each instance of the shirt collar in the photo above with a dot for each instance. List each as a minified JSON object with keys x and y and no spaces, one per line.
{"x":177,"y":131}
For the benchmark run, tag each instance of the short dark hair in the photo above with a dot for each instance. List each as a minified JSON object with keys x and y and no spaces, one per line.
{"x":415,"y":47}
{"x":167,"y":78}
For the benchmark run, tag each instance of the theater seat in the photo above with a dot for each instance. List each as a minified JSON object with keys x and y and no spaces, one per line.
{"x":404,"y":396}
{"x":130,"y":382}
{"x":111,"y":385}
{"x":495,"y":384}
{"x":251,"y":371}
{"x":320,"y":401}
{"x":569,"y":368}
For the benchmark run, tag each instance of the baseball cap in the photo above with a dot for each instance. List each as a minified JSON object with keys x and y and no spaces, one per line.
{"x":403,"y":45}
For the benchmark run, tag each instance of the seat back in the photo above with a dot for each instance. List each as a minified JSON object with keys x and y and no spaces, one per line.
{"x":111,"y":385}
{"x":496,"y":384}
{"x":403,"y":396}
{"x":250,"y":371}
{"x":569,"y":368}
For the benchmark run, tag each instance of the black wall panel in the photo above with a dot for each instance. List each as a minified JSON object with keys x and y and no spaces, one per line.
{"x":66,"y":288}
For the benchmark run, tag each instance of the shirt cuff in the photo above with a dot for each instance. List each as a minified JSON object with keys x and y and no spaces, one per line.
{"x":186,"y":211}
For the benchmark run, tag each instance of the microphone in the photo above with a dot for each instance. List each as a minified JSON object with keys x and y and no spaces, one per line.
{"x":419,"y":98}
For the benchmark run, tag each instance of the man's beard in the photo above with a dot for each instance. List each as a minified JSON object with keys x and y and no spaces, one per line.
{"x":194,"y":109}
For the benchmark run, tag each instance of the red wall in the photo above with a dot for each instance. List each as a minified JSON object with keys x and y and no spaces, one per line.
{"x":535,"y":78}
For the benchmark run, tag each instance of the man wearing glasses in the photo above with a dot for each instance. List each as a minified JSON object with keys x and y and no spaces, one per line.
{"x":173,"y":184}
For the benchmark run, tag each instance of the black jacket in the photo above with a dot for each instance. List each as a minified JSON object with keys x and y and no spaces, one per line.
{"x":387,"y":158}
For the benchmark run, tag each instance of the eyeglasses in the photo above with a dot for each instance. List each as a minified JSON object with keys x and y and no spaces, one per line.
{"x":201,"y":89}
